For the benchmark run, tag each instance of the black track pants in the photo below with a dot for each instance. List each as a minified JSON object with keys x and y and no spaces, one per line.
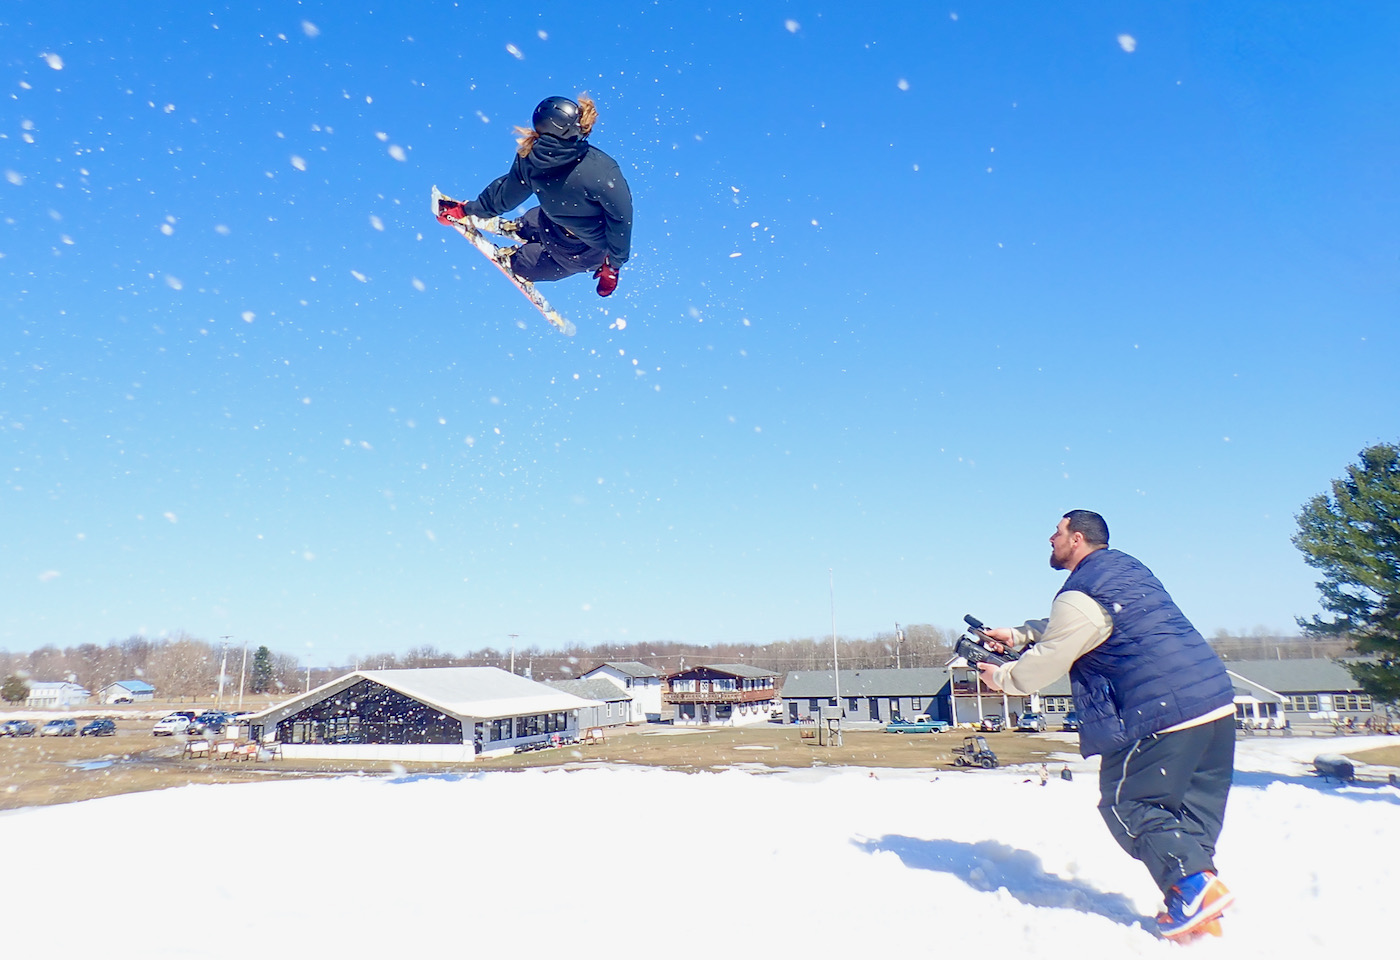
{"x":550,"y":252}
{"x":1164,"y":797}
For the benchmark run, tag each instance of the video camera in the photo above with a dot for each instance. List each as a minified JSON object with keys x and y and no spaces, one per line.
{"x":976,"y":651}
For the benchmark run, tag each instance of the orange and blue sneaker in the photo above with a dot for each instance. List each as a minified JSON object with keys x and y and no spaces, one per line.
{"x":1193,"y":908}
{"x":1211,"y":928}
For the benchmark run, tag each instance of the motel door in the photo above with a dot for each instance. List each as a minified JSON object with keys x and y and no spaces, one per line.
{"x":875,"y":708}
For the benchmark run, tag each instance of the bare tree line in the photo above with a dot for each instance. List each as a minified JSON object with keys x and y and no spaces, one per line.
{"x":185,"y":666}
{"x":181,"y":666}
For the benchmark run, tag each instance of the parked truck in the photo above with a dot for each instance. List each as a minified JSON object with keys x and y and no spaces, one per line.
{"x":920,"y":724}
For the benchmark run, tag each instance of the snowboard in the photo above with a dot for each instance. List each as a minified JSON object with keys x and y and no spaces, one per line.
{"x":469,"y":229}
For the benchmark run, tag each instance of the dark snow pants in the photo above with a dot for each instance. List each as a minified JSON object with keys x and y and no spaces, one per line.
{"x":550,"y":252}
{"x":1163,"y":798}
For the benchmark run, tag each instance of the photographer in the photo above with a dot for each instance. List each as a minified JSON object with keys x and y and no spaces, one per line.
{"x":1153,"y":699}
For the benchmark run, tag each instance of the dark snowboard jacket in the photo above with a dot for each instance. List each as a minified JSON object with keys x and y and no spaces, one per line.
{"x":1153,"y":672}
{"x":580,"y":188}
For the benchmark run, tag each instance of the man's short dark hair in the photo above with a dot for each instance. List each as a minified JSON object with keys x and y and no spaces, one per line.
{"x":1090,"y":524}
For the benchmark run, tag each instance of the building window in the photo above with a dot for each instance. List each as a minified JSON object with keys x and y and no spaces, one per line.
{"x":1351,"y":702}
{"x":1303,"y":703}
{"x":851,"y":704}
{"x":814,"y":705}
{"x":916,"y":704}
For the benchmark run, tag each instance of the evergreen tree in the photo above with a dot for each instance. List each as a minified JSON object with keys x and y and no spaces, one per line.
{"x":262,"y":670}
{"x":1353,"y":537}
{"x":13,"y":689}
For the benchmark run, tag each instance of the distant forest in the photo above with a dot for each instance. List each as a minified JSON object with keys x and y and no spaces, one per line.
{"x":186,"y":666}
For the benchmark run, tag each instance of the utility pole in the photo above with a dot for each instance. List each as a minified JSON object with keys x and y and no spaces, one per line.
{"x":898,"y":640}
{"x":242,"y":674}
{"x":512,"y":653}
{"x":835,"y":662}
{"x":223,"y":669}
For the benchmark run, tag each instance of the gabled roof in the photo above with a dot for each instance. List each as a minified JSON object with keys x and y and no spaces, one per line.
{"x":591,"y":688}
{"x":732,"y":669}
{"x":1248,"y":688}
{"x":914,"y":682}
{"x":135,"y":686}
{"x":631,"y":668}
{"x":467,"y":693}
{"x":1313,"y":675}
{"x":55,"y":685}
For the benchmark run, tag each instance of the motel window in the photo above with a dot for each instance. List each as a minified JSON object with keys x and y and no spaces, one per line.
{"x":851,"y":704}
{"x":1303,"y":703}
{"x":916,"y":704}
{"x":814,"y":704}
{"x":1350,"y":701}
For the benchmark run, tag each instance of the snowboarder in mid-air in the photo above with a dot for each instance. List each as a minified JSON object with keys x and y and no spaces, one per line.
{"x":584,"y":218}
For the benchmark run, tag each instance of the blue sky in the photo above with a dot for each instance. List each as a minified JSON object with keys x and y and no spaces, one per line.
{"x":908,"y":282}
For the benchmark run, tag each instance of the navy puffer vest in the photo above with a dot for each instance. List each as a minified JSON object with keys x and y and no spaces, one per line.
{"x":1154,"y":670}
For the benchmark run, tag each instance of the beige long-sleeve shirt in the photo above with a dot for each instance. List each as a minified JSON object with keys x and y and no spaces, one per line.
{"x":1077,"y":624}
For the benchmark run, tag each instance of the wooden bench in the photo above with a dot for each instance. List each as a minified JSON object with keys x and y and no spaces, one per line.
{"x":244,"y":751}
{"x":223,"y":749}
{"x":196,"y":748}
{"x":594,"y":735}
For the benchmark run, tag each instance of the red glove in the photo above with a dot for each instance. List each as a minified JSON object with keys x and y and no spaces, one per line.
{"x":606,"y":275}
{"x":450,"y":211}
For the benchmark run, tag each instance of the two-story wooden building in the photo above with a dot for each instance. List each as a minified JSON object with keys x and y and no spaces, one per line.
{"x":727,"y":694}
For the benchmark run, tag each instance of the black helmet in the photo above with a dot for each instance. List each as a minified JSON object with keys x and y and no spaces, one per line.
{"x":558,"y":116}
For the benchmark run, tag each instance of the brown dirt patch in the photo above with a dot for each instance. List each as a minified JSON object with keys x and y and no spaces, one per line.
{"x":37,"y":770}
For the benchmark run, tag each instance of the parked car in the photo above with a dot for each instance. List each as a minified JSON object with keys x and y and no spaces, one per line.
{"x":210,"y":721}
{"x":122,"y":700}
{"x":101,"y":727}
{"x":66,"y":727}
{"x":16,"y":728}
{"x":171,"y":725}
{"x":1031,"y":723}
{"x":992,"y":723}
{"x":1071,"y":721}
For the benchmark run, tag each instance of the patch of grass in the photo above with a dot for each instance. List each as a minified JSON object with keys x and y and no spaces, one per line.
{"x":36,"y":771}
{"x":1387,"y":756}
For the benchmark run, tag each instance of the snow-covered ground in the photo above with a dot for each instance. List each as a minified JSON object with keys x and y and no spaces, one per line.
{"x":825,"y":862}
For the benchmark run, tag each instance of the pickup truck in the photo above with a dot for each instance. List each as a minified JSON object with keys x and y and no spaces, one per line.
{"x":920,"y":724}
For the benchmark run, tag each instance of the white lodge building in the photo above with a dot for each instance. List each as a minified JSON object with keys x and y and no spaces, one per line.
{"x":434,"y":714}
{"x":641,"y":681}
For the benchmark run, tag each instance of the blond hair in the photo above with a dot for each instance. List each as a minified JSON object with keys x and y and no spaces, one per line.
{"x":587,"y":116}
